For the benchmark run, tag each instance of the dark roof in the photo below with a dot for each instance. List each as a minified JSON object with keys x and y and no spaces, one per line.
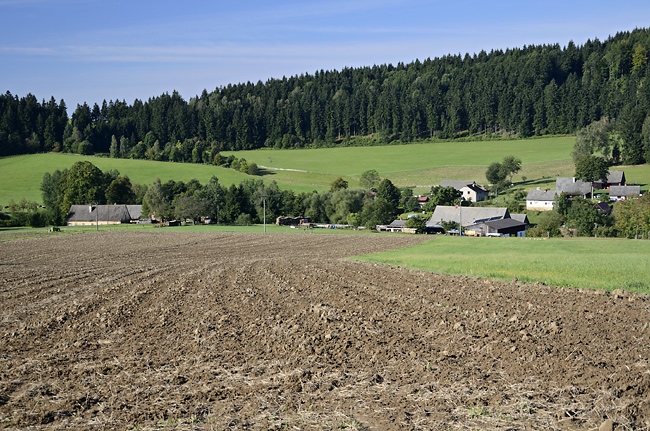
{"x":625,"y":190}
{"x":398,"y":223}
{"x":541,"y":195}
{"x":602,"y":206}
{"x":504,"y":223}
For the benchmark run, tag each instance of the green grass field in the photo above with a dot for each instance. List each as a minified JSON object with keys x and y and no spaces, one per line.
{"x":21,"y":176}
{"x":406,"y":165}
{"x":573,"y":262}
{"x":416,"y":164}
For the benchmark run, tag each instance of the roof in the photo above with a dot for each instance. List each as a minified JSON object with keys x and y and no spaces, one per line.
{"x":616,"y":177}
{"x":475,"y":188}
{"x":602,"y":206}
{"x":625,"y":190}
{"x":135,"y":211}
{"x":505,"y":223}
{"x":572,"y":186}
{"x":541,"y":195}
{"x":456,"y":184}
{"x":398,"y":223}
{"x":523,"y":218}
{"x":469,"y":215}
{"x":104,"y":213}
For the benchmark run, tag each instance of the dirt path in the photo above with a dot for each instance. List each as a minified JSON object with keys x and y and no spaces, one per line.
{"x":159,"y":330}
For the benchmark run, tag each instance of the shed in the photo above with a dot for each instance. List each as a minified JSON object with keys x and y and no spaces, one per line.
{"x":503,"y":227}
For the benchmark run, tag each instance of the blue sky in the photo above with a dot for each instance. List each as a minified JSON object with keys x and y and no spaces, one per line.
{"x":90,"y":50}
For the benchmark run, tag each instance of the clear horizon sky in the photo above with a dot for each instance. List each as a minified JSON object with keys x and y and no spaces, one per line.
{"x":91,"y":50}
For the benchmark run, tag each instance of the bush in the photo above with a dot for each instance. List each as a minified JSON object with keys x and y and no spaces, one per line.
{"x":244,"y":219}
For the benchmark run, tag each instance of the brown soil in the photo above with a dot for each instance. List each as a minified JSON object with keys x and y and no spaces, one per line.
{"x":167,"y":330}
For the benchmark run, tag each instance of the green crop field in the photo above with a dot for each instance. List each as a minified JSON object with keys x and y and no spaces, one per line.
{"x":571,"y":262}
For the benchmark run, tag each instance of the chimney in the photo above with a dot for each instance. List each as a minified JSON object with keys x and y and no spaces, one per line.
{"x":90,"y":208}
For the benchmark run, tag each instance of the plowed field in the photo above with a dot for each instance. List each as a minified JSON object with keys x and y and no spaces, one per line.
{"x":168,"y":330}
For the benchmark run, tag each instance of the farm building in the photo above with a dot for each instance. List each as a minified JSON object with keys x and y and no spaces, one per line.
{"x":89,"y":215}
{"x":398,"y":225}
{"x":521,"y":218}
{"x":503,"y":227}
{"x":572,"y":187}
{"x":620,"y":193}
{"x":614,"y":178}
{"x":466,"y":216}
{"x":540,"y":200}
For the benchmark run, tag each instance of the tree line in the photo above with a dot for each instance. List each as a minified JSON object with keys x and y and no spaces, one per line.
{"x":533,"y":90}
{"x":246,"y":203}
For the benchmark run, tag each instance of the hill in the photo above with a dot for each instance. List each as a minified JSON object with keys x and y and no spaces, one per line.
{"x":314,"y":169}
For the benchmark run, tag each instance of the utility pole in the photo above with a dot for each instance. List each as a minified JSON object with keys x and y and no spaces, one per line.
{"x":264,"y":200}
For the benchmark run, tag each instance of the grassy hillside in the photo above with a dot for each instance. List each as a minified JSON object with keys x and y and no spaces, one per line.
{"x":416,"y":164}
{"x":314,"y":169}
{"x":21,"y":176}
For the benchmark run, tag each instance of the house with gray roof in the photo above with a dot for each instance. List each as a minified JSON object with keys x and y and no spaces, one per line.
{"x":465,"y":216}
{"x":471,"y":191}
{"x":90,"y":215}
{"x":540,"y":200}
{"x":457,"y":184}
{"x":620,"y":193}
{"x":572,"y":187}
{"x":614,"y":178}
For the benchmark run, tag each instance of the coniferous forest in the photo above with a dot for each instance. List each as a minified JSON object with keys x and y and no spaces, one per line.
{"x":520,"y":92}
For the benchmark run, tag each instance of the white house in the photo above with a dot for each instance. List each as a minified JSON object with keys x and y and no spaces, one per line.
{"x":540,"y":200}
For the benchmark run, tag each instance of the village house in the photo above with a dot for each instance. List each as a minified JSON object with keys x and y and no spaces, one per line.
{"x":620,"y":193}
{"x":614,"y":178}
{"x":90,"y":215}
{"x":540,"y":200}
{"x":572,"y":187}
{"x":471,"y":191}
{"x":465,"y":216}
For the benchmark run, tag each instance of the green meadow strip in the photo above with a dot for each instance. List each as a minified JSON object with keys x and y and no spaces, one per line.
{"x":576,"y":262}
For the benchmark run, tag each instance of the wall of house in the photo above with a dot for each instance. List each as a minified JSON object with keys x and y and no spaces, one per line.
{"x":88,"y":223}
{"x":539,"y":205}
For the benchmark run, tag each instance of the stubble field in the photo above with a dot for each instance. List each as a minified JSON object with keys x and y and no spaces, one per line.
{"x":170,"y":330}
